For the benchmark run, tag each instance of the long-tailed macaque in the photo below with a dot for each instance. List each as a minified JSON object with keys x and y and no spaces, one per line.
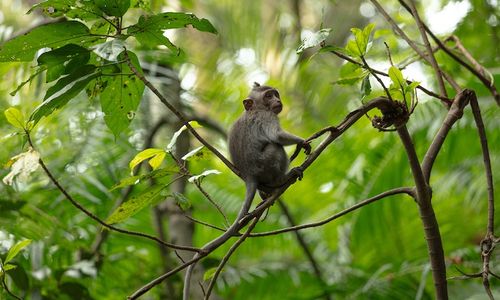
{"x":256,"y":143}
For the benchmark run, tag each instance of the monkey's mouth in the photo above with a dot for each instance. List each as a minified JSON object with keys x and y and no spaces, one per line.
{"x":277,"y":108}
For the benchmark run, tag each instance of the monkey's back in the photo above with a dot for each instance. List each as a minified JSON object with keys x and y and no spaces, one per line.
{"x":253,"y":150}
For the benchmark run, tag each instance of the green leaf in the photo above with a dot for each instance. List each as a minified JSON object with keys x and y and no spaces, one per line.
{"x":84,"y":10}
{"x":121,"y":95}
{"x":366,"y":87}
{"x":115,"y":8}
{"x":63,"y":91}
{"x":135,"y":204}
{"x":397,"y":77}
{"x":209,"y":273}
{"x":314,"y":40}
{"x":64,"y":60}
{"x":359,"y":46}
{"x":15,"y":117}
{"x":146,"y":154}
{"x":159,"y":173}
{"x":182,"y":201}
{"x":149,"y":29}
{"x":7,"y":267}
{"x":351,"y":74}
{"x":52,"y":35}
{"x":15,"y":250}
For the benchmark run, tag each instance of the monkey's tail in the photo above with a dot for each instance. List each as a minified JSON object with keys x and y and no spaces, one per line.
{"x":251,"y":186}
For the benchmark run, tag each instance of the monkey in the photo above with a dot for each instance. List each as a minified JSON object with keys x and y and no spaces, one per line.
{"x":256,"y":147}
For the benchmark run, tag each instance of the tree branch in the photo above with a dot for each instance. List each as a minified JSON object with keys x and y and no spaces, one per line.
{"x":402,"y":190}
{"x":430,"y":53}
{"x":429,"y":221}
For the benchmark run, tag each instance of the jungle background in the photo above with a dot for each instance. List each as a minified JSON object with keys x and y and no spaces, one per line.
{"x":377,"y":252}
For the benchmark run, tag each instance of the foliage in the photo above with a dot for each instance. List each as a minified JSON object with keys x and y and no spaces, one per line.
{"x":74,"y":90}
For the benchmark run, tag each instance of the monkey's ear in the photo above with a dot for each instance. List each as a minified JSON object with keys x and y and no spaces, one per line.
{"x":256,"y":84}
{"x":248,"y":103}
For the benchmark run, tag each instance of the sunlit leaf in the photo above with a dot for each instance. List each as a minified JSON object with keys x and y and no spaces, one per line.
{"x":156,"y":160}
{"x":146,"y":154}
{"x":192,"y":153}
{"x":22,"y":165}
{"x":204,"y":174}
{"x":15,"y":117}
{"x":52,"y":35}
{"x":366,"y":87}
{"x":176,"y":135}
{"x":314,"y":40}
{"x":7,"y":267}
{"x":149,"y":30}
{"x":16,"y":249}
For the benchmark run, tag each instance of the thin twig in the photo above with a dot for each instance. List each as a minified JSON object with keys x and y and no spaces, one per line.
{"x":204,"y":223}
{"x":228,"y":255}
{"x":409,"y":41}
{"x":430,"y":53}
{"x":4,"y":284}
{"x":402,"y":190}
{"x":305,"y":247}
{"x":443,"y":99}
{"x":454,"y":114}
{"x":486,"y":81}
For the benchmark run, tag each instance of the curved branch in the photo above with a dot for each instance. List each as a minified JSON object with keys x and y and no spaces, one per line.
{"x":402,"y":190}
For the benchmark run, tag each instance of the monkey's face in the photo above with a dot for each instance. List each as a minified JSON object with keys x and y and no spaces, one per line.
{"x":273,"y":101}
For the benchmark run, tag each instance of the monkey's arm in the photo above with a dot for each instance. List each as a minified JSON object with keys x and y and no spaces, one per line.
{"x":284,"y":138}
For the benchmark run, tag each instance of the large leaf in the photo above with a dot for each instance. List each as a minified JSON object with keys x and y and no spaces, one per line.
{"x":64,"y":90}
{"x":115,"y":8}
{"x":149,"y":30}
{"x":63,"y":60}
{"x":53,"y":35}
{"x":135,"y":204}
{"x":73,"y":9}
{"x":121,"y":96}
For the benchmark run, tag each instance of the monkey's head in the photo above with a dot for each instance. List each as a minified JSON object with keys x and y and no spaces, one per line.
{"x":263,"y":97}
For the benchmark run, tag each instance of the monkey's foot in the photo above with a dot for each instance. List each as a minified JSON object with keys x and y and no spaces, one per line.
{"x":296,"y":173}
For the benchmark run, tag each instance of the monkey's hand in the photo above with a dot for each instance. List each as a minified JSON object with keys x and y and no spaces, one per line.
{"x":306,"y":145}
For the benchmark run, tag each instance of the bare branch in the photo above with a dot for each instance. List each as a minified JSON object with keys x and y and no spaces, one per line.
{"x":402,"y":190}
{"x":228,"y":255}
{"x":454,"y":114}
{"x":430,"y":53}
